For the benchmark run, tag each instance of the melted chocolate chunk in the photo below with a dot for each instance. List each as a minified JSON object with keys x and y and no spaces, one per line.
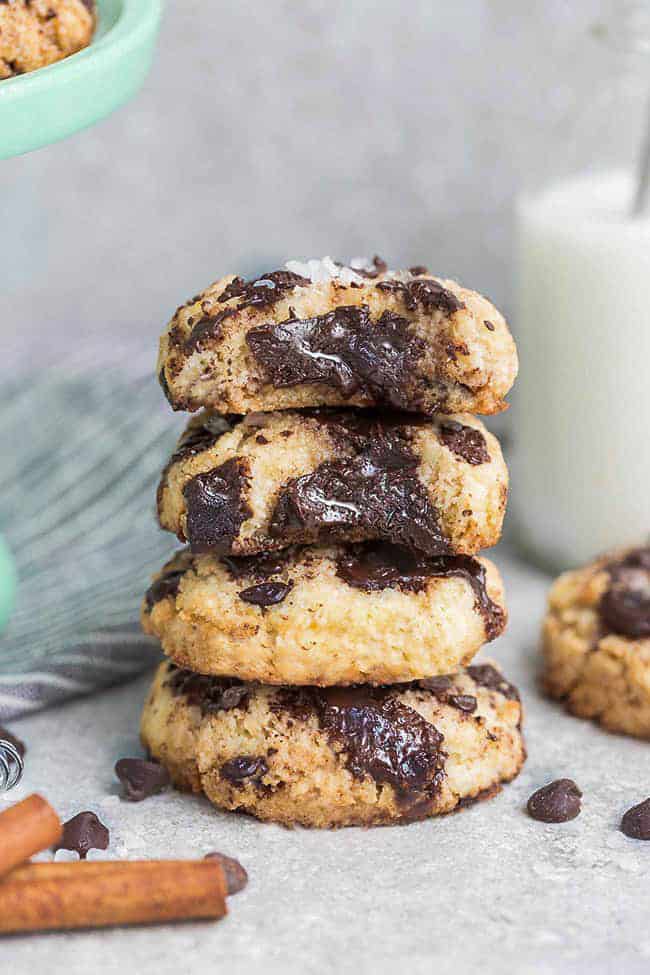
{"x":374,"y":566}
{"x":425,"y":293}
{"x":207,"y":329}
{"x":82,"y":833}
{"x":466,"y":442}
{"x":378,"y":492}
{"x":6,"y":735}
{"x":378,"y":736}
{"x":485,"y":675}
{"x":211,"y":694}
{"x":557,"y":802}
{"x":264,"y":291}
{"x":345,"y":349}
{"x":215,"y":506}
{"x":266,"y":593}
{"x":636,"y":821}
{"x":167,"y":585}
{"x":244,"y":768}
{"x":140,"y":778}
{"x":625,"y":606}
{"x":236,"y":876}
{"x":256,"y":566}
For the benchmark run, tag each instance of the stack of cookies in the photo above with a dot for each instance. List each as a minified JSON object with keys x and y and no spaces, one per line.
{"x":333,"y":493}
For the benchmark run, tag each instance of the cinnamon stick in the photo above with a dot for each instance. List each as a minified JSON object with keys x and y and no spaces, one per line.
{"x":25,"y":829}
{"x":58,"y":896}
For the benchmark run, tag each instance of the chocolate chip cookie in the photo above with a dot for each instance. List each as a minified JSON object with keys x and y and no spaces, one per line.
{"x":337,"y":756}
{"x":327,"y":334}
{"x":34,"y":33}
{"x":366,"y":613}
{"x":437,"y":485}
{"x":596,"y":641}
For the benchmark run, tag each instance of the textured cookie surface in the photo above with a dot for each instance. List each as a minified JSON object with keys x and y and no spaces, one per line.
{"x":324,"y":334}
{"x":272,"y":479}
{"x":596,"y":641}
{"x":339,"y":756}
{"x":366,"y":613}
{"x":34,"y":33}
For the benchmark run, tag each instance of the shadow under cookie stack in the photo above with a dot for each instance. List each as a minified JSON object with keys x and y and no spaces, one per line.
{"x":333,"y":493}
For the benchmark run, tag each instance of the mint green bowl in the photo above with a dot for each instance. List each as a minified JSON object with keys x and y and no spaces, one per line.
{"x":53,"y":102}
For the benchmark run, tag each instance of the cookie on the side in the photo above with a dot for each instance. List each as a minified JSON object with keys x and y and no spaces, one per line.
{"x":596,"y":641}
{"x":340,"y":756}
{"x":34,"y":33}
{"x":366,"y":613}
{"x":326,"y":334}
{"x":438,"y":485}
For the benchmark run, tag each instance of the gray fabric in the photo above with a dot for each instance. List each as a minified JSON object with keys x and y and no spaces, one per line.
{"x":81,"y":456}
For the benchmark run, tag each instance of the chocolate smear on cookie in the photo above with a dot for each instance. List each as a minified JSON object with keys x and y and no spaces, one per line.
{"x":215,"y":506}
{"x":374,"y":566}
{"x":378,"y":736}
{"x":425,"y":293}
{"x":211,"y":694}
{"x":377,"y":492}
{"x":167,"y":585}
{"x":141,"y":778}
{"x":206,"y":329}
{"x":82,"y":833}
{"x":264,"y":291}
{"x":345,"y":349}
{"x":625,"y":606}
{"x":244,"y":768}
{"x":557,"y":802}
{"x":466,"y":442}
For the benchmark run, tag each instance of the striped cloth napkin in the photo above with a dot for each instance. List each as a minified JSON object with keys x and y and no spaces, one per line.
{"x":81,"y":457}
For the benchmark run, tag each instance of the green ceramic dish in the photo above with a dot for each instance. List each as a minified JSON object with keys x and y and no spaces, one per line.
{"x":7,"y":583}
{"x":52,"y":103}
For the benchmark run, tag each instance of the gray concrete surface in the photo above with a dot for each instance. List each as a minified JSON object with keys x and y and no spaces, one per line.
{"x":269,"y":130}
{"x":486,"y":890}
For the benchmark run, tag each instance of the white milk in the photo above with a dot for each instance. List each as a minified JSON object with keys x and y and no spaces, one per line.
{"x":581,"y":472}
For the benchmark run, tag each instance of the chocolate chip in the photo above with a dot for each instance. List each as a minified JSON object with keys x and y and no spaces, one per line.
{"x":215,"y":506}
{"x":140,"y":778}
{"x":466,"y":442}
{"x":485,"y":675}
{"x":207,"y":329}
{"x":244,"y":767}
{"x":439,"y":685}
{"x":167,"y":585}
{"x":557,"y":802}
{"x":636,"y":821}
{"x":211,"y":694}
{"x":6,"y":735}
{"x":427,"y":293}
{"x":343,"y":348}
{"x":625,"y":606}
{"x":200,"y":436}
{"x":488,"y":325}
{"x":236,"y":876}
{"x":266,"y":593}
{"x":264,"y":291}
{"x":464,"y":702}
{"x":255,"y":566}
{"x":82,"y":833}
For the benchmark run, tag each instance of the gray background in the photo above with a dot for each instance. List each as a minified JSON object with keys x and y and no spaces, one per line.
{"x":269,"y":130}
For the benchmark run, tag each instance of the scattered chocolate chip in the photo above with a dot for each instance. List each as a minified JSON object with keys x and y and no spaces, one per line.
{"x":236,"y":876}
{"x":488,"y":325}
{"x":427,"y":293}
{"x":557,"y":802}
{"x":264,"y":291}
{"x":82,"y":833}
{"x":466,"y":442}
{"x":244,"y":767}
{"x":625,"y":606}
{"x":6,"y":735}
{"x":485,"y":675}
{"x":141,"y":779}
{"x":636,"y":821}
{"x":343,"y":348}
{"x":266,"y":593}
{"x":255,"y":566}
{"x":215,"y":506}
{"x":464,"y":702}
{"x":167,"y":585}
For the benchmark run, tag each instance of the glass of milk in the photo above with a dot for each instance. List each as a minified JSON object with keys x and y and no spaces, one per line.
{"x":581,"y":459}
